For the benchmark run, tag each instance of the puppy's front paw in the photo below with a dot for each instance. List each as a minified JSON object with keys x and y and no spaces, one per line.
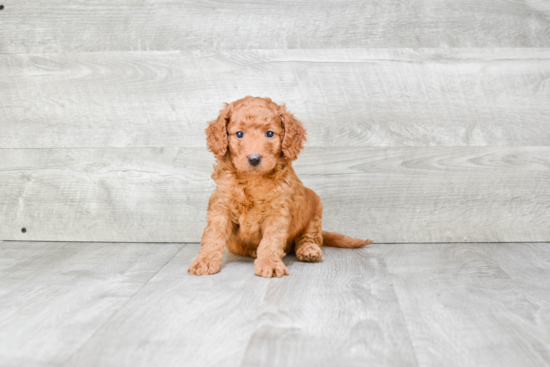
{"x":309,"y":252}
{"x":268,"y":268}
{"x":204,"y":265}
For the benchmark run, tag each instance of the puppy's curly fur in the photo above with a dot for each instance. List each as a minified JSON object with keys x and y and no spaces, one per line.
{"x":261,"y":209}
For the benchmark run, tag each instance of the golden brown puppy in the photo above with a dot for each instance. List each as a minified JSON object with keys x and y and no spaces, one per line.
{"x":260,"y":208}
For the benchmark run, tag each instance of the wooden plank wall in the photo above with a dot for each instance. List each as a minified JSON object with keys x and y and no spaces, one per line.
{"x":427,"y":122}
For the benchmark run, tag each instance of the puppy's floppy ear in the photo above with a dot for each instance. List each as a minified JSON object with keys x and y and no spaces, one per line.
{"x":216,"y":132}
{"x":294,"y":134}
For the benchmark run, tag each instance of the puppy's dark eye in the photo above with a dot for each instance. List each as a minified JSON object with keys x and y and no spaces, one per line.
{"x":239,"y":134}
{"x":269,"y":134}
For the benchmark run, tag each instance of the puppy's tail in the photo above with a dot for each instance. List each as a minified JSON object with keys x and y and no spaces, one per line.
{"x":334,"y":239}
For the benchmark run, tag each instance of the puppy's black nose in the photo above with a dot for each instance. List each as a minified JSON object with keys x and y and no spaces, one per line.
{"x":254,"y":159}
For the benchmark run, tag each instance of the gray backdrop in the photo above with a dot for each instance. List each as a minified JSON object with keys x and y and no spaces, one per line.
{"x":428,"y":121}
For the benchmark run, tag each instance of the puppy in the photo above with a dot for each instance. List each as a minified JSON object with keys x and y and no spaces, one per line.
{"x":260,"y":208}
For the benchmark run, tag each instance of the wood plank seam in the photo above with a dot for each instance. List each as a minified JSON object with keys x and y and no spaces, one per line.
{"x":121,"y":307}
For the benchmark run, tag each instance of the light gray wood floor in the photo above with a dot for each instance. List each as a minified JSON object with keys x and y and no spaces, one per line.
{"x":134,"y":304}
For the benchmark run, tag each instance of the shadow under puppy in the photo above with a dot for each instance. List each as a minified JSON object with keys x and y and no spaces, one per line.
{"x":260,"y":208}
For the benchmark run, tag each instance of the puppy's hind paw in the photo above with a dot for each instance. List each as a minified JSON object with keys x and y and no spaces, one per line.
{"x":309,"y":252}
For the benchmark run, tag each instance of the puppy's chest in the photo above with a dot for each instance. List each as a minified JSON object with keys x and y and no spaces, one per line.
{"x":250,"y":203}
{"x":249,"y":216}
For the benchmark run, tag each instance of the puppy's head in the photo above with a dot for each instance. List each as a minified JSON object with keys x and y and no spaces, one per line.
{"x":255,"y":133}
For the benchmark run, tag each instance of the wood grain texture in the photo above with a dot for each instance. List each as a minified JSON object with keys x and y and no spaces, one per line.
{"x":343,"y":309}
{"x":54,"y":296}
{"x":463,"y":307}
{"x":531,"y":279}
{"x":395,"y":194}
{"x":112,"y":304}
{"x":340,"y":312}
{"x":90,"y":194}
{"x":402,"y":97}
{"x":36,"y":26}
{"x":181,"y":319}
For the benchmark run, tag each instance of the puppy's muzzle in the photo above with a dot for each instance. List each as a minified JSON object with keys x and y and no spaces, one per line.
{"x":254,"y":159}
